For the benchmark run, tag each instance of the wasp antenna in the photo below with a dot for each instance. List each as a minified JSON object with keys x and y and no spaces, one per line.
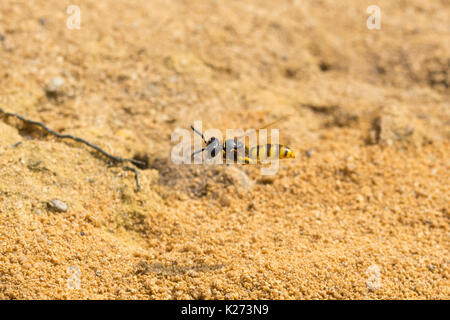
{"x":199,"y":133}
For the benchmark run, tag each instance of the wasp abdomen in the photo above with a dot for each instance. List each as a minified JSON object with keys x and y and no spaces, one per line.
{"x":285,"y":152}
{"x":270,"y":151}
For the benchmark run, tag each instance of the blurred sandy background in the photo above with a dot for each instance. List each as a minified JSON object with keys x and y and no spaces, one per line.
{"x":361,"y":212}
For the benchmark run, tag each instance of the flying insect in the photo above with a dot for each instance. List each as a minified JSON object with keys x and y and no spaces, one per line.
{"x":236,"y":150}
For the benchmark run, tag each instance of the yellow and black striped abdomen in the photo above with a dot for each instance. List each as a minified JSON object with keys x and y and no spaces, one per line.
{"x":270,"y":151}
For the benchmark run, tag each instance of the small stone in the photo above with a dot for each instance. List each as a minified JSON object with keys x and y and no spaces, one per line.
{"x":359,"y":198}
{"x":350,"y":167}
{"x":309,"y":153}
{"x":374,"y":278}
{"x":55,"y":84}
{"x":57,"y":205}
{"x":98,"y":273}
{"x":267,"y":180}
{"x":225,"y":201}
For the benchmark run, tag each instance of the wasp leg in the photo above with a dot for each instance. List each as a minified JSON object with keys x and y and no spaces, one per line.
{"x":245,"y":160}
{"x":195,"y":152}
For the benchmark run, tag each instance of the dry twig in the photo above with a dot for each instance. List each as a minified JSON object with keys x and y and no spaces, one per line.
{"x":115,"y":159}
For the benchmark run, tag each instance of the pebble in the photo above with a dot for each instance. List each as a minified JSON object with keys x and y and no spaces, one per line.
{"x":55,"y":84}
{"x":57,"y":205}
{"x":225,"y":200}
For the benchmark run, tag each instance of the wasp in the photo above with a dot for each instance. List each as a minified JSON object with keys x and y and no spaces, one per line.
{"x":237,"y":151}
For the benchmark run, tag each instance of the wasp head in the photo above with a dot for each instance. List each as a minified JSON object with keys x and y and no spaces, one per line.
{"x":213,"y":148}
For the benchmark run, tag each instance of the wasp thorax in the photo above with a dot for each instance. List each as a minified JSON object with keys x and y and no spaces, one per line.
{"x":231,"y":144}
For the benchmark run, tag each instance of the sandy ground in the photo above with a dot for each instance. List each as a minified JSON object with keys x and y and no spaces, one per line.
{"x":361,"y":212}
